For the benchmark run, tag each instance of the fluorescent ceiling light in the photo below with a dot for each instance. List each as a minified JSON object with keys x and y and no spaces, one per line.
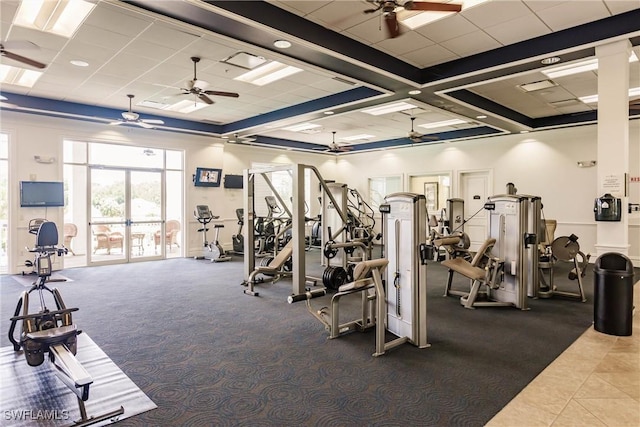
{"x":543,"y":84}
{"x":18,"y":76}
{"x":424,"y":17}
{"x":362,"y":136}
{"x":268,"y":73}
{"x":61,"y":17}
{"x":592,"y":99}
{"x":301,"y":127}
{"x":442,"y":123}
{"x":389,"y":108}
{"x":245,"y":60}
{"x":580,"y":67}
{"x":186,"y":106}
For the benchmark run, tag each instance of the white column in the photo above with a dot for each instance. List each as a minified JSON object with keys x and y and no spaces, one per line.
{"x":613,"y":141}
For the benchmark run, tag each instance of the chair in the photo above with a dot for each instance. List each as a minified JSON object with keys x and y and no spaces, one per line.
{"x":171,"y":229}
{"x":106,"y":239}
{"x":482,"y":270}
{"x":70,"y":231}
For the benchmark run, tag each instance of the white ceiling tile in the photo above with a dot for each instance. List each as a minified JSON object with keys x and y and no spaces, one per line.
{"x":144,"y":49}
{"x":170,"y":36}
{"x":403,"y":44}
{"x":95,"y":55}
{"x":430,"y":55}
{"x":101,"y":38}
{"x":448,"y":28}
{"x":118,"y":20}
{"x":517,"y":30}
{"x":495,"y":12}
{"x":568,"y":14}
{"x":470,"y":44}
{"x":372,"y":31}
{"x":40,"y":38}
{"x":621,"y":6}
{"x":303,"y":7}
{"x":340,"y":15}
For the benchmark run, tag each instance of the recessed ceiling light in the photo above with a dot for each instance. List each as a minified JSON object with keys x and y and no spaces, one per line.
{"x":443,"y":123}
{"x":301,"y":127}
{"x":481,"y":116}
{"x":282,"y":44}
{"x":79,"y":63}
{"x":389,"y":108}
{"x":268,"y":73}
{"x":224,"y":137}
{"x":551,"y":60}
{"x":61,"y":17}
{"x":328,"y":113}
{"x":415,"y":92}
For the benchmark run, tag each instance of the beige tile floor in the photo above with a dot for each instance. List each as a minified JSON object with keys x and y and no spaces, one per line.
{"x":595,"y":382}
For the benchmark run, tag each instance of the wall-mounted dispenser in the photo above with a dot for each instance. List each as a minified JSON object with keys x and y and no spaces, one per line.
{"x":607,"y":208}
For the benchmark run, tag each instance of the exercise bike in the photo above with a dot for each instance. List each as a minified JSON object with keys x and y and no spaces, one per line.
{"x":212,"y":251}
{"x":53,"y":331}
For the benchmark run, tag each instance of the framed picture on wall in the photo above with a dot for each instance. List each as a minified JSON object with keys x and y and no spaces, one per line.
{"x":431,"y":194}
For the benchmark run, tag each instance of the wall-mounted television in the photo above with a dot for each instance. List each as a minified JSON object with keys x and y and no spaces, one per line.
{"x":41,"y":194}
{"x":233,"y":181}
{"x":206,"y":177}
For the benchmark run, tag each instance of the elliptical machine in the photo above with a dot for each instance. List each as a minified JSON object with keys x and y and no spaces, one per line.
{"x":238,"y":239}
{"x":212,"y":251}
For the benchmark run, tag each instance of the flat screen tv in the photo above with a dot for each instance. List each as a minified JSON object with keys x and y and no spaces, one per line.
{"x":233,"y":181}
{"x":206,"y":177}
{"x":41,"y":194}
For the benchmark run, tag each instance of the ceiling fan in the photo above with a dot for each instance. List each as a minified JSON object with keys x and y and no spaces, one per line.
{"x":334,"y":147}
{"x":20,"y":44}
{"x":134,"y":118}
{"x":417,"y":137}
{"x":199,"y":87}
{"x":237,"y":139}
{"x":389,"y":9}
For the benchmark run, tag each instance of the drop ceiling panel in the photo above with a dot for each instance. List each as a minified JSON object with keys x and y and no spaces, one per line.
{"x":447,"y":28}
{"x":568,"y":14}
{"x":518,"y":29}
{"x":101,"y":38}
{"x":43,"y":40}
{"x":430,"y":55}
{"x":119,"y":20}
{"x":471,"y":43}
{"x":405,"y":44}
{"x":495,"y":12}
{"x":169,"y":36}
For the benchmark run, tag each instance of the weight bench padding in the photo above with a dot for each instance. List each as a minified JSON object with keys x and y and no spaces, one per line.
{"x":277,"y":263}
{"x":356,"y":285}
{"x":446,"y":241}
{"x":53,"y":335}
{"x":465,"y":268}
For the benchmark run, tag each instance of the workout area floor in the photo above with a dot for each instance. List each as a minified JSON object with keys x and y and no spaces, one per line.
{"x":208,"y":355}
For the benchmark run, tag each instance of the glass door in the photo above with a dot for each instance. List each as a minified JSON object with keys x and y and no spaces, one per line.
{"x":126,"y":216}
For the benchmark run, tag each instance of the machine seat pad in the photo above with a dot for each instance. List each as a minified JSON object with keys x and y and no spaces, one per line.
{"x":446,"y":241}
{"x":362,"y":269}
{"x":465,"y":268}
{"x":361,"y":284}
{"x":53,"y":335}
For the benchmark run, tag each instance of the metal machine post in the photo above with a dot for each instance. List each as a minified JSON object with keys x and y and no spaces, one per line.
{"x":404,"y":223}
{"x":508,"y":225}
{"x":331,"y":220}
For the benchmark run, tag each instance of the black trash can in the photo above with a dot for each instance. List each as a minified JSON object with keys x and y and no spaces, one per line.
{"x":613,"y":287}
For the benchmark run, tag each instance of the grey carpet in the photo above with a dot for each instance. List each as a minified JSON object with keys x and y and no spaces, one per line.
{"x":207,"y":354}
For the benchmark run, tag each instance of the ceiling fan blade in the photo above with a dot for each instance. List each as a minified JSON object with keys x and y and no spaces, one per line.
{"x":152,"y":121}
{"x":391,"y":22}
{"x":116,"y":122}
{"x":23,"y":59}
{"x":205,"y":98}
{"x":217,"y":93}
{"x":143,"y":124}
{"x":433,"y":7}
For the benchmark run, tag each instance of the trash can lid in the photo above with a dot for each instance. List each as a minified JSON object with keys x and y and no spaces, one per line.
{"x":614,"y":263}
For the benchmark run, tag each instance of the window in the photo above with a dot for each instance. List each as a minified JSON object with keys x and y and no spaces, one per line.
{"x":282,"y":181}
{"x":380,"y":187}
{"x":4,"y":201}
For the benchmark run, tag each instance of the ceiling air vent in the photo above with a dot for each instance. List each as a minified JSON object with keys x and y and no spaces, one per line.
{"x":345,"y":81}
{"x":542,"y":84}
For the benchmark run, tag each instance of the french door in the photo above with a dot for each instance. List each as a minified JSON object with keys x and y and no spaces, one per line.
{"x":126,"y":217}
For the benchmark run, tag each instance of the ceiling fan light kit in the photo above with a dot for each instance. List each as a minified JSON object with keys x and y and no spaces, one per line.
{"x":134,"y":118}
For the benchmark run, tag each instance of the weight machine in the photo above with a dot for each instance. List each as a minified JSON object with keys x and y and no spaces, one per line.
{"x":300,"y":282}
{"x":53,"y":331}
